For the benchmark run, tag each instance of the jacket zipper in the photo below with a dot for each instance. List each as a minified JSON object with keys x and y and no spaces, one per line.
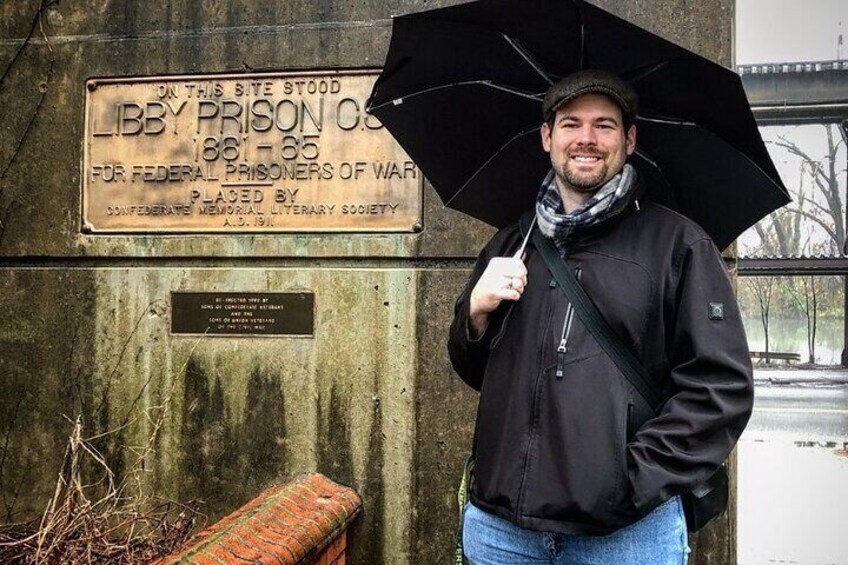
{"x":566,"y":331}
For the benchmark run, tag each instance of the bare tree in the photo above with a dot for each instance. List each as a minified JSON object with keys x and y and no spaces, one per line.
{"x":811,"y":307}
{"x":824,"y":206}
{"x":764,"y":290}
{"x":814,"y":223}
{"x":816,"y":212}
{"x":780,"y":232}
{"x":806,"y":299}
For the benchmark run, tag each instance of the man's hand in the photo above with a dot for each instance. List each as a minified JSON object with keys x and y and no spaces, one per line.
{"x":503,"y":279}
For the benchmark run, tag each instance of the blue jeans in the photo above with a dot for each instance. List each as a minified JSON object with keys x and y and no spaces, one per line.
{"x":657,"y":539}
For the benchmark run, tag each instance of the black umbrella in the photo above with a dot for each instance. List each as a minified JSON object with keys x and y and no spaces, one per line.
{"x":461,"y":91}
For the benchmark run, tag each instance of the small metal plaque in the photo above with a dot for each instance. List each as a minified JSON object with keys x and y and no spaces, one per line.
{"x":243,"y":313}
{"x":270,"y":152}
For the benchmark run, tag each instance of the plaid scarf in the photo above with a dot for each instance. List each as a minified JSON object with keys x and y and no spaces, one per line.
{"x":609,"y":201}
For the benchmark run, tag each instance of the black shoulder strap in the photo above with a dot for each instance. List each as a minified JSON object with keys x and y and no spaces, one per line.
{"x":621,"y":355}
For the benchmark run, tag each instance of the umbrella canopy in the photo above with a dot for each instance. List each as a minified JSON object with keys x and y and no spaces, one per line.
{"x":462,"y":87}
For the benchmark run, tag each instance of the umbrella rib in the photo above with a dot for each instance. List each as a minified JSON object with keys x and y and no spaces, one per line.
{"x":526,"y":56}
{"x":656,"y":165}
{"x":489,"y":160}
{"x":490,"y":84}
{"x":666,"y":121}
{"x":581,"y":63}
{"x":647,"y":72}
{"x":644,"y":156}
{"x":694,"y":125}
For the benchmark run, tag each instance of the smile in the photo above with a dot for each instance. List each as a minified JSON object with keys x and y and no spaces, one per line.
{"x":586,"y":158}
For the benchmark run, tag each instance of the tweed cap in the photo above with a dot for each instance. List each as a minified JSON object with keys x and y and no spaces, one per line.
{"x":592,"y":81}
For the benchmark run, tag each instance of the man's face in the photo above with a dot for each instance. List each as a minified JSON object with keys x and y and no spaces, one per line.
{"x":587,"y":142}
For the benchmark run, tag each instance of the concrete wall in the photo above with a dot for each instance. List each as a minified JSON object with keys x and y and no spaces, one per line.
{"x":370,"y":401}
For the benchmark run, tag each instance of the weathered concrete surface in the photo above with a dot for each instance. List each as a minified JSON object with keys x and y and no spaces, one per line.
{"x":46,"y":344}
{"x":445,"y":415}
{"x":237,"y":414}
{"x":370,"y":401}
{"x":245,"y":412}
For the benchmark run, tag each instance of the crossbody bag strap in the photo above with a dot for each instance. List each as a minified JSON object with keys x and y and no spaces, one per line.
{"x":610,"y":342}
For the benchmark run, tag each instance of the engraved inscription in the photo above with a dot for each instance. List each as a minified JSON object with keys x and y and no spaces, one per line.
{"x":242,"y":313}
{"x":243,"y":153}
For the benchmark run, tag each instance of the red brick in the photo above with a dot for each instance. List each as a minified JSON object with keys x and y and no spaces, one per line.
{"x":304,"y":534}
{"x":220,"y":552}
{"x":282,"y":524}
{"x":276,"y":552}
{"x":201,"y":559}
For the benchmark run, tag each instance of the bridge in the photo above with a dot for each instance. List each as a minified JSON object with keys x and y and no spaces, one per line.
{"x":797,"y":93}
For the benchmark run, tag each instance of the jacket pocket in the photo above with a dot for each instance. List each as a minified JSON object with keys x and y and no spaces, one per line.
{"x":621,"y":493}
{"x":581,"y":470}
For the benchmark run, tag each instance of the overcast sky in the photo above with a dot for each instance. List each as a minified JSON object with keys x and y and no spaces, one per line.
{"x":778,"y":31}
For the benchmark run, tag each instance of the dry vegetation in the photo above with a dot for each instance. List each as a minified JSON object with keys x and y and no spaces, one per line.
{"x":117,"y":527}
{"x":107,"y":520}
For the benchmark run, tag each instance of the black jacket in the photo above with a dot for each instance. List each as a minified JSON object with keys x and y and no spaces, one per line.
{"x":581,"y":453}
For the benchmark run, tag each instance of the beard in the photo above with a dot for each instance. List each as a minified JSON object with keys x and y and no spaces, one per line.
{"x":581,"y":182}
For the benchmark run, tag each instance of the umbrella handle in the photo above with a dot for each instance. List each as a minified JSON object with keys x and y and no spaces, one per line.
{"x":520,"y":252}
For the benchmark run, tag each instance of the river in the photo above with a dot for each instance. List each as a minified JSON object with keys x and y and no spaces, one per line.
{"x":789,"y":335}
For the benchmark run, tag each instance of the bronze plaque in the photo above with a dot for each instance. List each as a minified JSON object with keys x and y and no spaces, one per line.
{"x":271,"y":152}
{"x":243,"y":313}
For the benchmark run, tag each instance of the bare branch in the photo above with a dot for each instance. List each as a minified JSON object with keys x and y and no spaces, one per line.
{"x":826,"y":227}
{"x":123,"y":525}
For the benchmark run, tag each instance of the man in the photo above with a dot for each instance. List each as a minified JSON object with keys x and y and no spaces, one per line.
{"x":569,"y":466}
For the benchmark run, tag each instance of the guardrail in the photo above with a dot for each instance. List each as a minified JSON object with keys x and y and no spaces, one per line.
{"x":796,"y":67}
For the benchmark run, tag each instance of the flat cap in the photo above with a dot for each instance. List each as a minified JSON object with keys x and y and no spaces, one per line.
{"x":592,"y":81}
